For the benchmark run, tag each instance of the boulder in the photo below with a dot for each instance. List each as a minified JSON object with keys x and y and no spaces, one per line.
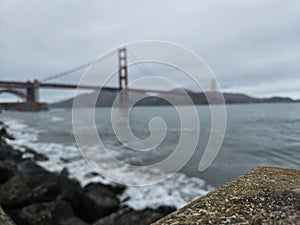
{"x":127,"y":216}
{"x":3,"y":132}
{"x":6,"y":172}
{"x":48,"y":187}
{"x":36,"y":156}
{"x":15,"y":192}
{"x":33,"y":184}
{"x":73,"y":221}
{"x":8,"y":153}
{"x":97,"y":201}
{"x":43,"y":184}
{"x":46,"y":213}
{"x":70,"y":189}
{"x":45,"y":188}
{"x":30,"y":168}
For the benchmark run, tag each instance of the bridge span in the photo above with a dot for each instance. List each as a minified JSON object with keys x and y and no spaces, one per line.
{"x":29,"y":91}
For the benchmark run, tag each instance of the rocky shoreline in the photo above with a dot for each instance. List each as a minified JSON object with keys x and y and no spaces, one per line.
{"x":31,"y":195}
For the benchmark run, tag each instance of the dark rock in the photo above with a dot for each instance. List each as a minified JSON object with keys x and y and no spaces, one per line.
{"x":49,"y":187}
{"x":35,"y":155}
{"x":15,"y":192}
{"x":40,"y":157}
{"x":73,"y":221}
{"x":47,"y":213}
{"x":15,"y":188}
{"x":91,"y":174}
{"x":97,"y":201}
{"x":8,"y":153}
{"x":62,"y":211}
{"x":28,"y":167}
{"x":70,"y":190}
{"x":71,"y":159}
{"x":5,"y":151}
{"x":40,"y":179}
{"x":45,"y":188}
{"x":112,"y":218}
{"x":43,"y":185}
{"x":29,"y":183}
{"x":116,"y":188}
{"x":4,"y":134}
{"x":127,"y":216}
{"x":6,"y":173}
{"x":33,"y":196}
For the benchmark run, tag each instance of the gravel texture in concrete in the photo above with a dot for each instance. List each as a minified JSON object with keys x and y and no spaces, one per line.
{"x":4,"y":219}
{"x":265,"y":195}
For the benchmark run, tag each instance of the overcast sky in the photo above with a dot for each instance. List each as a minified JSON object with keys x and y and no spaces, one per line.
{"x":253,"y":46}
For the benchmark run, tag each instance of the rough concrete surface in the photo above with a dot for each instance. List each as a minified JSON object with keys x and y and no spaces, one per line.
{"x":4,"y":219}
{"x":265,"y":195}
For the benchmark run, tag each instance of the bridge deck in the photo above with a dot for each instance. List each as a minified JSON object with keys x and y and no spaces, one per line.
{"x":19,"y":84}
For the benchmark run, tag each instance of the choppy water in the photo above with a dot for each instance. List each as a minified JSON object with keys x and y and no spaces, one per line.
{"x":257,"y":134}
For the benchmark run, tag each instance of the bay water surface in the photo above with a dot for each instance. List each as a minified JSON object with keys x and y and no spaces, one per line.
{"x":256,"y":134}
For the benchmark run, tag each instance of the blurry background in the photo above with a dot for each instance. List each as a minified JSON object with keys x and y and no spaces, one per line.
{"x":252,"y":46}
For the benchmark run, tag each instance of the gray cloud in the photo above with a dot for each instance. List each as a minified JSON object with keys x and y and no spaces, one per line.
{"x":248,"y":44}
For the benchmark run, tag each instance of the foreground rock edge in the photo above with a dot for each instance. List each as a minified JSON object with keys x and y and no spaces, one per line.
{"x":4,"y":219}
{"x":265,"y":195}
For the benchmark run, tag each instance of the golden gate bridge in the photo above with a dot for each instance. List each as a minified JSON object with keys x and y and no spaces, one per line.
{"x":29,"y":91}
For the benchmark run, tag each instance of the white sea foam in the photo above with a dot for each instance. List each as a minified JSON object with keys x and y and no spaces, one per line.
{"x":57,"y":110}
{"x":57,"y":119}
{"x":175,"y":191}
{"x":21,"y":132}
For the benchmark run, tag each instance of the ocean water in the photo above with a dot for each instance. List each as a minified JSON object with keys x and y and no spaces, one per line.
{"x":256,"y":134}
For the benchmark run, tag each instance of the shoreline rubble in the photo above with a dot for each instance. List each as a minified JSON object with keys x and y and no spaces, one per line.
{"x":31,"y":195}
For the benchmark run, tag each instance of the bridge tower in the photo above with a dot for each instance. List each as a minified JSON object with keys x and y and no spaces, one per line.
{"x":123,"y":73}
{"x":32,"y":91}
{"x":213,"y":85}
{"x":123,"y":78}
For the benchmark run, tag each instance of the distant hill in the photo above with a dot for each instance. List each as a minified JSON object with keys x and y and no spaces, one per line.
{"x":107,"y":97}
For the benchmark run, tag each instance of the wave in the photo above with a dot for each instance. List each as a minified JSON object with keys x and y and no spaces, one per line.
{"x":58,"y":109}
{"x":57,"y":119}
{"x":175,"y":191}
